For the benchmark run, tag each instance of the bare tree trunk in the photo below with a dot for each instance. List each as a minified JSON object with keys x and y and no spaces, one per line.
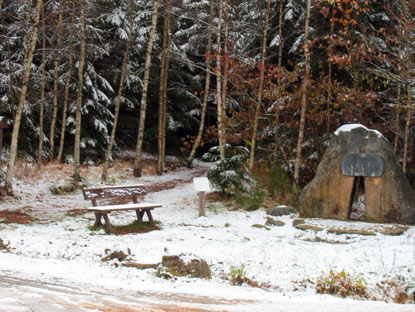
{"x":207,"y":84}
{"x":397,"y":119}
{"x":55,"y":82}
{"x":16,"y":126}
{"x":42,"y":93}
{"x":305,"y":86}
{"x":408,"y":124}
{"x":260,"y":88}
{"x":225,"y":68}
{"x":330,"y":91}
{"x":120,"y":89}
{"x":139,"y":149}
{"x":67,"y":83}
{"x":11,"y":79}
{"x":163,"y":89}
{"x":218,"y":73}
{"x":163,"y":145}
{"x":280,"y":33}
{"x":77,"y":147}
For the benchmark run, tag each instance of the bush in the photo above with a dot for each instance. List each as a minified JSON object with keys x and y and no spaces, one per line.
{"x":230,"y":175}
{"x":342,"y":284}
{"x":252,"y":200}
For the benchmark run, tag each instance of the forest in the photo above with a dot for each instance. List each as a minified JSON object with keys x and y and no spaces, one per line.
{"x":81,"y":80}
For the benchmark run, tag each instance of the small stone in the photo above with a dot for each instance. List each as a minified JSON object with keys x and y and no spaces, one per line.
{"x":260,"y":226}
{"x":298,"y":222}
{"x":271,"y":221}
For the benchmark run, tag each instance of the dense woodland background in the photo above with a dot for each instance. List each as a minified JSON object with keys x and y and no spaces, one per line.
{"x":354,"y":64}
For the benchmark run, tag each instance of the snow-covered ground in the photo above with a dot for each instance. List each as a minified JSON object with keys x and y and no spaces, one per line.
{"x":55,"y":262}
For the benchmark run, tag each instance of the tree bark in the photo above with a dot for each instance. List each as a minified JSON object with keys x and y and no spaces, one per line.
{"x":397,"y":119}
{"x":67,"y":83}
{"x":77,"y":147}
{"x":17,"y":120}
{"x":163,"y":89}
{"x":225,"y":68}
{"x":261,"y":86}
{"x":280,"y":34}
{"x":305,"y":86}
{"x":139,"y":148}
{"x":218,"y":72}
{"x":42,"y":93}
{"x":55,"y":82}
{"x":206,"y":93}
{"x":120,"y":89}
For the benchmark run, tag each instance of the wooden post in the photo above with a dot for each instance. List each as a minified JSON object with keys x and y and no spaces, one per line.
{"x":202,"y":205}
{"x":201,"y":187}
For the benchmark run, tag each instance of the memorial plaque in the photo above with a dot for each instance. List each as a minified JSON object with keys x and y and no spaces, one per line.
{"x":363,"y":165}
{"x":201,"y":184}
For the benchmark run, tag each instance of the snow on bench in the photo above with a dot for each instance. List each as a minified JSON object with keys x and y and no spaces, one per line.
{"x":121,"y":192}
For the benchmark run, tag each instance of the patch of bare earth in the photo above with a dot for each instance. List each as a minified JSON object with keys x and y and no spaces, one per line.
{"x":14,"y":216}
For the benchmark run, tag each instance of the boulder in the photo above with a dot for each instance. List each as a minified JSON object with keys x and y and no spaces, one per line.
{"x":281,"y":210}
{"x":355,"y":151}
{"x":179,"y":266}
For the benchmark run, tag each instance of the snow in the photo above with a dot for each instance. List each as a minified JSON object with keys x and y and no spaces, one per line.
{"x":57,"y":259}
{"x":350,"y":127}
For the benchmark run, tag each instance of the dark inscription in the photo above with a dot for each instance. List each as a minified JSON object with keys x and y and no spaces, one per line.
{"x":364,"y":165}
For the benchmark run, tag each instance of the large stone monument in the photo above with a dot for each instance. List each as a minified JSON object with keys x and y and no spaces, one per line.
{"x":359,"y":167}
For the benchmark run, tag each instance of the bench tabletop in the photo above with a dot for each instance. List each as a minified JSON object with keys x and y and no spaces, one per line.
{"x":136,"y":206}
{"x":109,"y":191}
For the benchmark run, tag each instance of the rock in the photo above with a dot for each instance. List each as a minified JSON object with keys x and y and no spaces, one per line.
{"x":195,"y":267}
{"x":308,"y":227}
{"x":281,"y":210}
{"x":298,"y":221}
{"x":271,"y":221}
{"x":356,"y":153}
{"x":260,"y":226}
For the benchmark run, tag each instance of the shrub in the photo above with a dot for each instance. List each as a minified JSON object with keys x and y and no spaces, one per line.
{"x":342,"y":284}
{"x":252,"y":200}
{"x":230,"y":175}
{"x":238,"y":274}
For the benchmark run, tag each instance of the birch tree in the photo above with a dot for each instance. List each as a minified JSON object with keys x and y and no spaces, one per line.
{"x":17,"y":120}
{"x":206,"y":92}
{"x":218,"y":73}
{"x":119,"y":95}
{"x":260,"y":88}
{"x":55,"y":81}
{"x":165,"y":60}
{"x":305,"y":85}
{"x":67,"y":84}
{"x":42,"y":92}
{"x":143,"y":108}
{"x":77,"y":160}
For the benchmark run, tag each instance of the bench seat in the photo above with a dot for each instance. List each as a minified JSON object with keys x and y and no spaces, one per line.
{"x":109,"y":208}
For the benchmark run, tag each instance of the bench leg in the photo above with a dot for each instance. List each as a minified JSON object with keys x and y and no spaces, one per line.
{"x":108,"y":223}
{"x":150,"y":217}
{"x":139,"y":214}
{"x":98,"y":219}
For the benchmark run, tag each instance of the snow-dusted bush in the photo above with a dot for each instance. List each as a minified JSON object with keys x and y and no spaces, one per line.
{"x":230,"y":175}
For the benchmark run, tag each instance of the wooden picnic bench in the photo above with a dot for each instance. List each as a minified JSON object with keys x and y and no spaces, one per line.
{"x":118,"y":192}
